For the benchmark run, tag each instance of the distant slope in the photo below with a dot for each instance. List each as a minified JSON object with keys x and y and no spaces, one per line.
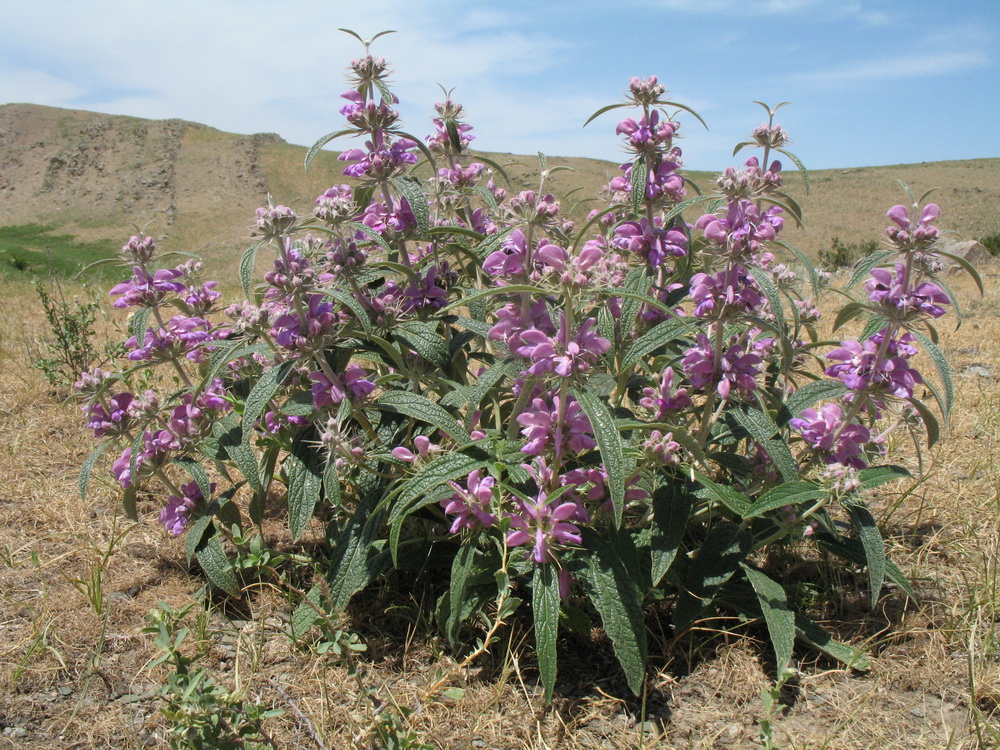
{"x":196,"y":187}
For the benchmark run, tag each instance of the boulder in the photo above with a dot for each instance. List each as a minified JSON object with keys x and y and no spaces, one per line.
{"x":971,"y":251}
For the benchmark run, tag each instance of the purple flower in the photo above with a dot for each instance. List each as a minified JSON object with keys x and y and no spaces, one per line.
{"x":113,"y":421}
{"x":651,"y":242}
{"x":733,"y":291}
{"x":471,"y":506}
{"x":737,"y":369}
{"x":328,"y":391}
{"x":907,"y":234}
{"x":562,"y":354}
{"x":663,"y":398}
{"x":146,"y":289}
{"x":181,"y":336}
{"x":542,"y":525}
{"x":744,"y":227}
{"x":292,"y":333}
{"x":892,"y":293}
{"x":176,"y":514}
{"x":379,"y":159}
{"x":547,"y":430}
{"x":863,"y":368}
{"x":826,"y":432}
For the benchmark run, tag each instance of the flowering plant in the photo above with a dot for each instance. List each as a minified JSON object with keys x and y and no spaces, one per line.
{"x":600,"y":415}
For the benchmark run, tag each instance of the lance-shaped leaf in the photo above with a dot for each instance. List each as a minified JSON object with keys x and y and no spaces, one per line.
{"x":304,"y":469}
{"x":261,"y":396}
{"x":872,"y":544}
{"x":672,"y":504}
{"x":640,"y":170}
{"x":618,"y":601}
{"x":422,"y":408}
{"x":545,"y":606}
{"x":874,"y":476}
{"x":943,"y":369}
{"x":719,"y":557}
{"x":659,"y":335}
{"x":763,"y":430}
{"x":808,"y":395}
{"x":423,"y":338}
{"x":83,"y":482}
{"x":728,"y":496}
{"x":246,"y":267}
{"x":789,"y":493}
{"x":352,"y":564}
{"x":415,"y":196}
{"x":864,"y":267}
{"x":778,"y":616}
{"x":609,"y":442}
{"x":315,"y":148}
{"x":462,"y":568}
{"x":217,"y":566}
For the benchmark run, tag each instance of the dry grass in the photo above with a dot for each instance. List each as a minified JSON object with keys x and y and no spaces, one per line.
{"x":71,"y":677}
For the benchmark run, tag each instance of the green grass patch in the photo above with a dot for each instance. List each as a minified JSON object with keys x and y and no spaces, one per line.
{"x":34,"y":249}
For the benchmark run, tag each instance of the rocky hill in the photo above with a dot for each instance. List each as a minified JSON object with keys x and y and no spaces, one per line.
{"x":96,"y":176}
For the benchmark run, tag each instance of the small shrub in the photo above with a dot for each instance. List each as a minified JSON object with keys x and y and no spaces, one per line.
{"x":992,"y":244}
{"x":585,"y":417}
{"x":846,"y":255}
{"x":69,"y":348}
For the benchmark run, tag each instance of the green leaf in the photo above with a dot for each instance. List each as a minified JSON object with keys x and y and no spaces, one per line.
{"x":640,"y":171}
{"x":780,"y":619}
{"x":304,"y":469}
{"x":261,"y":396}
{"x":798,"y":164}
{"x":659,"y":335}
{"x":944,"y":372}
{"x":730,"y":497}
{"x":618,"y":601}
{"x":969,"y":268}
{"x":246,"y":267}
{"x":545,"y":605}
{"x":370,"y":233}
{"x":351,"y":303}
{"x":488,"y":198}
{"x":461,"y":567}
{"x":808,"y":264}
{"x":609,"y":442}
{"x":930,"y":421}
{"x":875,"y":324}
{"x":228,"y":432}
{"x":604,"y":109}
{"x":808,"y":395}
{"x":789,"y":493}
{"x":636,"y":284}
{"x":446,"y":467}
{"x":719,"y":557}
{"x":872,"y":544}
{"x":864,"y":266}
{"x":217,"y":566}
{"x":415,"y":196}
{"x":198,"y":475}
{"x":763,"y":429}
{"x":315,"y":149}
{"x":352,"y":566}
{"x":83,"y":482}
{"x":425,"y":410}
{"x":423,"y":337}
{"x":679,"y":208}
{"x":877,"y":475}
{"x":849,"y":312}
{"x":305,"y":615}
{"x":817,"y":637}
{"x":766,"y":284}
{"x":139,"y":324}
{"x":672,"y":503}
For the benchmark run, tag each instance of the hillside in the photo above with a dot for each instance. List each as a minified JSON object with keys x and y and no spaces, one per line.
{"x":195,"y":187}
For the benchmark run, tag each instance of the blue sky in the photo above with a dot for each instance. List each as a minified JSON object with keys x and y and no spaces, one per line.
{"x":870,"y":82}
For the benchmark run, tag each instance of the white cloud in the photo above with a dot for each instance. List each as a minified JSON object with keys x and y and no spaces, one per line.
{"x":893,"y":68}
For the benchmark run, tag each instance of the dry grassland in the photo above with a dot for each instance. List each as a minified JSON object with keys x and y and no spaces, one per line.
{"x":73,"y":677}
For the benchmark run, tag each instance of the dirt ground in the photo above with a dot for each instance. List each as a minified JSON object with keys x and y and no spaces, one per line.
{"x":74,"y":660}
